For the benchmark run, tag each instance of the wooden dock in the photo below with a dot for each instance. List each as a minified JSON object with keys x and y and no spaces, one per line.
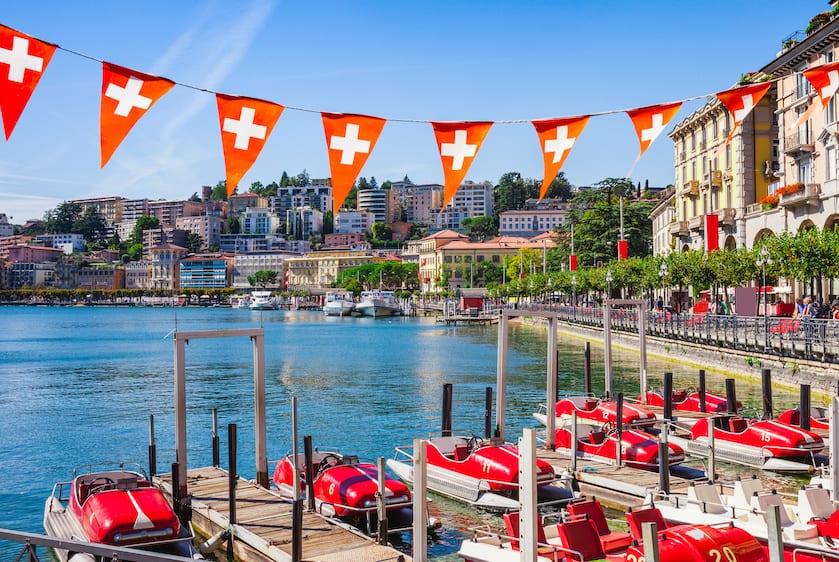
{"x":263,"y":528}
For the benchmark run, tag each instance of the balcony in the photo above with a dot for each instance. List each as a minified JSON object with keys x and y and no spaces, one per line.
{"x":697,"y":224}
{"x":679,"y":228}
{"x":691,"y":188}
{"x":807,"y":196}
{"x":799,"y":142}
{"x":727,"y":216}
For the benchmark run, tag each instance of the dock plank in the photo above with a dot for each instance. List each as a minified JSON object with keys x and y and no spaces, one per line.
{"x":264,"y":523}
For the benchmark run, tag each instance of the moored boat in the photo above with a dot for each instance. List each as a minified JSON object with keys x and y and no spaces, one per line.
{"x":599,"y":411}
{"x":378,"y":303}
{"x":688,"y":400}
{"x":765,"y":444}
{"x":638,"y":449}
{"x":262,"y":300}
{"x":346,"y":488}
{"x":117,"y":507}
{"x":478,"y":472}
{"x":338,"y":304}
{"x":818,"y":418}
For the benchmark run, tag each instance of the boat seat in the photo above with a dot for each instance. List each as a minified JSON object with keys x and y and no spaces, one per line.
{"x":581,"y":535}
{"x":130,"y":483}
{"x":814,"y":504}
{"x":590,"y":404}
{"x":646,"y":514}
{"x":596,"y":437}
{"x":610,"y":541}
{"x":706,"y":498}
{"x":679,"y":395}
{"x":744,"y":490}
{"x":446,"y":445}
{"x":796,"y":531}
{"x":737,"y":425}
{"x":511,"y":522}
{"x":461,"y":452}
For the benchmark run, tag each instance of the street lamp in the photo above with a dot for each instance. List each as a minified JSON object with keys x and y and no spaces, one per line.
{"x":763,"y":259}
{"x":574,"y":287}
{"x":662,"y":272}
{"x":608,"y":283}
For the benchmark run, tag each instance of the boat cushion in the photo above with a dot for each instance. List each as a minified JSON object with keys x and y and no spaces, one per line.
{"x":679,"y":395}
{"x":461,"y":452}
{"x":610,"y":541}
{"x":511,"y":522}
{"x":737,"y":425}
{"x":596,"y":437}
{"x":581,"y":535}
{"x":647,"y":514}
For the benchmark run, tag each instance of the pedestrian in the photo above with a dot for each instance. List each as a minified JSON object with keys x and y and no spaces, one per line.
{"x":799,"y":308}
{"x":725,"y":307}
{"x":834,"y":311}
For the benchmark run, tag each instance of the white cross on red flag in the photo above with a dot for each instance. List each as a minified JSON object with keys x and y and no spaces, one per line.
{"x":825,"y":80}
{"x":650,"y":121}
{"x":458,"y":144}
{"x":349,"y":141}
{"x":126,"y":96}
{"x":246,"y":123}
{"x":23,"y":60}
{"x":557,"y":138}
{"x":740,"y":102}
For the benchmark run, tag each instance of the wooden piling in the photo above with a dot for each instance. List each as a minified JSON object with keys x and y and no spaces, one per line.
{"x":231,"y":484}
{"x":488,"y":412}
{"x":703,"y":405}
{"x":766,"y":388}
{"x":667,"y":394}
{"x":730,"y":396}
{"x":447,"y":410}
{"x":804,"y":407}
{"x":310,"y":472}
{"x":587,"y":369}
{"x":152,"y":448}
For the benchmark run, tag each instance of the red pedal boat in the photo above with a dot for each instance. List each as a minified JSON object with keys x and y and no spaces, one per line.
{"x":600,"y":411}
{"x":118,"y":507}
{"x":818,"y":418}
{"x":638,"y":449}
{"x":346,"y":488}
{"x":482,"y":473}
{"x":688,"y":401}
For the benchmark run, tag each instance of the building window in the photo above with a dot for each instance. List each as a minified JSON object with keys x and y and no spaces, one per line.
{"x":830,"y":168}
{"x":804,"y":171}
{"x":496,"y":258}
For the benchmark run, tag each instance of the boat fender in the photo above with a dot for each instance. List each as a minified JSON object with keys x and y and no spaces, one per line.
{"x":213,"y":542}
{"x":81,"y":557}
{"x":434,"y":523}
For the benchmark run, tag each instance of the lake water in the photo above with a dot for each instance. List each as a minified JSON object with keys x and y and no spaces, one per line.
{"x":78,"y":384}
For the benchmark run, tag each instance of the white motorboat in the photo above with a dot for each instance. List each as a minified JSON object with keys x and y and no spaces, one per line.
{"x":262,"y":300}
{"x":378,"y":303}
{"x":338,"y":304}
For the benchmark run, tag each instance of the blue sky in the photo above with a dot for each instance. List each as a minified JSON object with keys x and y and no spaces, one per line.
{"x":427,"y":61}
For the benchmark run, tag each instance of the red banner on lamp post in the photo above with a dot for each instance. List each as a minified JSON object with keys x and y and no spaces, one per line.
{"x":623,"y":249}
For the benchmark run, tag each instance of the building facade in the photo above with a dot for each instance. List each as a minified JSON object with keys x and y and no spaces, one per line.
{"x":208,"y":271}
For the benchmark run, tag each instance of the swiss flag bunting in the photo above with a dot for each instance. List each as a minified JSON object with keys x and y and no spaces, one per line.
{"x":557,"y":138}
{"x":825,"y":80}
{"x":246,"y":123}
{"x":740,"y":102}
{"x":650,"y":121}
{"x":349,"y":141}
{"x":126,"y":96}
{"x":23,"y":60}
{"x":458,"y":144}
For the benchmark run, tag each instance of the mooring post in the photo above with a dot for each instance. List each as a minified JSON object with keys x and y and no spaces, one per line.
{"x":309,"y":476}
{"x":552,"y":386}
{"x":642,"y":347}
{"x":488,"y":412}
{"x":260,"y":419}
{"x":834,"y":444}
{"x":775,"y":537}
{"x":664,"y":463}
{"x":649,"y":536}
{"x":703,"y":405}
{"x":231,"y":486}
{"x":730,"y":396}
{"x":447,"y":410}
{"x":712,"y":457}
{"x":587,"y":367}
{"x":527,"y":494}
{"x":607,"y":348}
{"x":804,"y":407}
{"x":419,"y":545}
{"x":574,"y":438}
{"x":667,"y":394}
{"x":152,"y":448}
{"x":766,"y":387}
{"x":176,"y":489}
{"x":619,"y":429}
{"x":382,"y":503}
{"x":216,"y":448}
{"x":501,"y":376}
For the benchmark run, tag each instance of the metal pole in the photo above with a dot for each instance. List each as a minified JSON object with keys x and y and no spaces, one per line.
{"x":730,"y":396}
{"x":642,"y":344}
{"x":649,"y":536}
{"x":231,"y":485}
{"x":574,"y":438}
{"x":619,"y":430}
{"x":501,"y":376}
{"x":152,"y":448}
{"x":703,"y":405}
{"x":382,"y":503}
{"x":766,"y":385}
{"x":488,"y":412}
{"x":668,"y":396}
{"x":834,"y":446}
{"x":775,"y":537}
{"x":664,"y":460}
{"x":447,"y":410}
{"x":712,"y":456}
{"x":550,"y":420}
{"x":216,"y":444}
{"x":310,"y":473}
{"x":419,"y":544}
{"x":607,"y":348}
{"x":260,"y":426}
{"x":176,"y":486}
{"x":527,"y":494}
{"x":804,"y":407}
{"x":180,"y":412}
{"x":587,"y":367}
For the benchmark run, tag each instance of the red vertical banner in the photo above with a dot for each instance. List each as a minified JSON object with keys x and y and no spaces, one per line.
{"x":712,"y":233}
{"x":572,"y":262}
{"x":623,"y":250}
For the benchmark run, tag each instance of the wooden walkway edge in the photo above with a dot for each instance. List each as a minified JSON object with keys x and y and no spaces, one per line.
{"x":263,"y":530}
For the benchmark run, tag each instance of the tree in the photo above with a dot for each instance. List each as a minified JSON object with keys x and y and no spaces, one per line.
{"x":328,"y":222}
{"x":194,"y":242}
{"x":61,"y":219}
{"x":145,"y":222}
{"x":479,"y":228}
{"x":195,"y":197}
{"x":234,"y":225}
{"x":285,"y":181}
{"x":382,"y":231}
{"x":263,"y":278}
{"x":220,"y":191}
{"x":91,"y":224}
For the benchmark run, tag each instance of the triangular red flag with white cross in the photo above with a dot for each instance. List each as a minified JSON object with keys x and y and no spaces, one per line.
{"x":23,"y":60}
{"x":557,"y":138}
{"x":246,"y":123}
{"x":458,"y":144}
{"x":740,"y":102}
{"x":126,"y":96}
{"x":650,"y":121}
{"x":825,"y":80}
{"x":349,"y":141}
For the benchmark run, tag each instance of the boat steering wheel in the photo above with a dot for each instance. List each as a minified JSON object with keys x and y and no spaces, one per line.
{"x":474,"y":442}
{"x":608,"y":427}
{"x":100,"y":484}
{"x":328,"y":461}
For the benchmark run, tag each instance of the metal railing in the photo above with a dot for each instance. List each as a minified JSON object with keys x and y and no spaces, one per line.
{"x":805,"y":338}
